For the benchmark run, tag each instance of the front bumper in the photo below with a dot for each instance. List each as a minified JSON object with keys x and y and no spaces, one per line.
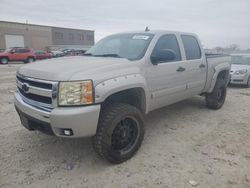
{"x":239,"y":79}
{"x":81,"y":120}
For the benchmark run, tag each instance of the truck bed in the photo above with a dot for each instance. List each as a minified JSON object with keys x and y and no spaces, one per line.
{"x":214,"y":55}
{"x":214,"y":59}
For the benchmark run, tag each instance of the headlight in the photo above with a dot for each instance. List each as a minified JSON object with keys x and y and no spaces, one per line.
{"x":75,"y":93}
{"x":243,"y":71}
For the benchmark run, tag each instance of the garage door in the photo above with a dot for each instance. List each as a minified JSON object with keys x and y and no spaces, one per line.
{"x":14,"y":41}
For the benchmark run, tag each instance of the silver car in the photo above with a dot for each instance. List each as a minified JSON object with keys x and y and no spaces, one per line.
{"x":240,"y":69}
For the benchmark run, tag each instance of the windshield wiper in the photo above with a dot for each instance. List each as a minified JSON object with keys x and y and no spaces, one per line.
{"x":108,"y":55}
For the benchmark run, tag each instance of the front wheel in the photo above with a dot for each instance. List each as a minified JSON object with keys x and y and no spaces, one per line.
{"x":4,"y":60}
{"x":216,"y":99}
{"x":120,"y":133}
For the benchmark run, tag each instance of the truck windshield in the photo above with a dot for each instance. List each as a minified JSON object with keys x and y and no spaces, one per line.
{"x":129,"y":46}
{"x":241,"y":60}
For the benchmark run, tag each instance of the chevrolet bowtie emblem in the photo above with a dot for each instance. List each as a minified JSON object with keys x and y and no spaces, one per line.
{"x":25,"y":88}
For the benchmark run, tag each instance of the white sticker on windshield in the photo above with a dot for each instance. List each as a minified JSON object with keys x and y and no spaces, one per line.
{"x":141,"y":37}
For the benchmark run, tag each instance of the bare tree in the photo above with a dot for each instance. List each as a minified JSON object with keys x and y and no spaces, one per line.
{"x":234,"y":47}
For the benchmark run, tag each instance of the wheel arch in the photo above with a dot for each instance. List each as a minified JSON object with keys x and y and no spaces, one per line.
{"x":222,"y":72}
{"x":130,"y":89}
{"x":5,"y":57}
{"x":33,"y":57}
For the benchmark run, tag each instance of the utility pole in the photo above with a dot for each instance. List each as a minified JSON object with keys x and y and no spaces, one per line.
{"x":27,"y":25}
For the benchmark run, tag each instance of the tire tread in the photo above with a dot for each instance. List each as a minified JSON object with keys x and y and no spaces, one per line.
{"x":107,"y":115}
{"x":211,"y":100}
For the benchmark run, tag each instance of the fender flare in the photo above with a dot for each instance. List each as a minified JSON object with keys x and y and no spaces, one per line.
{"x":111,"y":86}
{"x":217,"y":70}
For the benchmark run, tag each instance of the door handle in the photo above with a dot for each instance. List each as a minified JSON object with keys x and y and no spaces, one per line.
{"x":202,"y":66}
{"x":180,"y":69}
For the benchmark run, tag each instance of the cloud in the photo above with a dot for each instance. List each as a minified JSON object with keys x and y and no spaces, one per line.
{"x":218,"y":23}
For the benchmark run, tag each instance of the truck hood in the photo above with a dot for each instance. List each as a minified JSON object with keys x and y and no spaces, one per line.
{"x":235,"y":67}
{"x":78,"y":68}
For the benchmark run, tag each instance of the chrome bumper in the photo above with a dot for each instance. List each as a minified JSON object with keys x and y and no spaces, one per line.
{"x":81,"y":120}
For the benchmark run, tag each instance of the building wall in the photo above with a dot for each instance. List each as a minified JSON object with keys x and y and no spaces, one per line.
{"x":62,"y":36}
{"x":37,"y":37}
{"x":40,"y":37}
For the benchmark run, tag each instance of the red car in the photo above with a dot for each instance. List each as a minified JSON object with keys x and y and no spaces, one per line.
{"x":43,"y":55}
{"x":17,"y":54}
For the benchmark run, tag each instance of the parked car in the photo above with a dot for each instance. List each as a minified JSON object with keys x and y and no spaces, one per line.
{"x":107,"y":92}
{"x":240,"y":70}
{"x":75,"y":52}
{"x":57,"y":53}
{"x":17,"y":54}
{"x":43,"y":55}
{"x":79,"y":52}
{"x":72,"y":52}
{"x":66,"y":51}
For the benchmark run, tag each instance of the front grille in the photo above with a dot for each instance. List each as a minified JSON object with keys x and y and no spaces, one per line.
{"x":37,"y":98}
{"x":36,"y":84}
{"x":38,"y":93}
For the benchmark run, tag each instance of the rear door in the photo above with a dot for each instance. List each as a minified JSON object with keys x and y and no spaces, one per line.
{"x":196,"y":69}
{"x":167,"y":80}
{"x":14,"y":54}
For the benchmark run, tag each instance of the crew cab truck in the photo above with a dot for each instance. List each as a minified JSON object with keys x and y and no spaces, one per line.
{"x":17,"y":54}
{"x":106,"y":93}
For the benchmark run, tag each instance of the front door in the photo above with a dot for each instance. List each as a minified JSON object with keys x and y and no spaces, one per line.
{"x":167,"y":80}
{"x":18,"y":54}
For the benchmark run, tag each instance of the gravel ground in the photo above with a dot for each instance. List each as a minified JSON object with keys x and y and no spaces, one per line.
{"x":185,"y":145}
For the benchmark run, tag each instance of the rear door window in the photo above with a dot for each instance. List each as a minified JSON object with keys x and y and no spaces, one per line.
{"x":22,"y":50}
{"x":191,"y":46}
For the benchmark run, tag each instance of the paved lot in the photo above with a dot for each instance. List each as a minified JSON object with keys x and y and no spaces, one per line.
{"x":183,"y":142}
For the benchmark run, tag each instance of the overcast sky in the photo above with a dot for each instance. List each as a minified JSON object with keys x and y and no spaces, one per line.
{"x":217,"y":22}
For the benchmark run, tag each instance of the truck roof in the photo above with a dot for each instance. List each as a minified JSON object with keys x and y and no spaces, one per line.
{"x":247,"y":54}
{"x":160,"y":32}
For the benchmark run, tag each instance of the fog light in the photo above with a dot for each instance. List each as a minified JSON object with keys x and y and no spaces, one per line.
{"x":67,"y":132}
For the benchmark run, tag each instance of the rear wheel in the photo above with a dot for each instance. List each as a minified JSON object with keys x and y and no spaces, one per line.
{"x":120,"y":133}
{"x":4,"y":60}
{"x":216,"y":99}
{"x":30,"y":60}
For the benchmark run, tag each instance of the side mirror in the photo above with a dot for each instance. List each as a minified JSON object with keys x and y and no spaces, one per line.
{"x":163,"y":55}
{"x":12,"y":51}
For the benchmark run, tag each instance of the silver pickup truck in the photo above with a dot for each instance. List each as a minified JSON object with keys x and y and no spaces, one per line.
{"x":107,"y":92}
